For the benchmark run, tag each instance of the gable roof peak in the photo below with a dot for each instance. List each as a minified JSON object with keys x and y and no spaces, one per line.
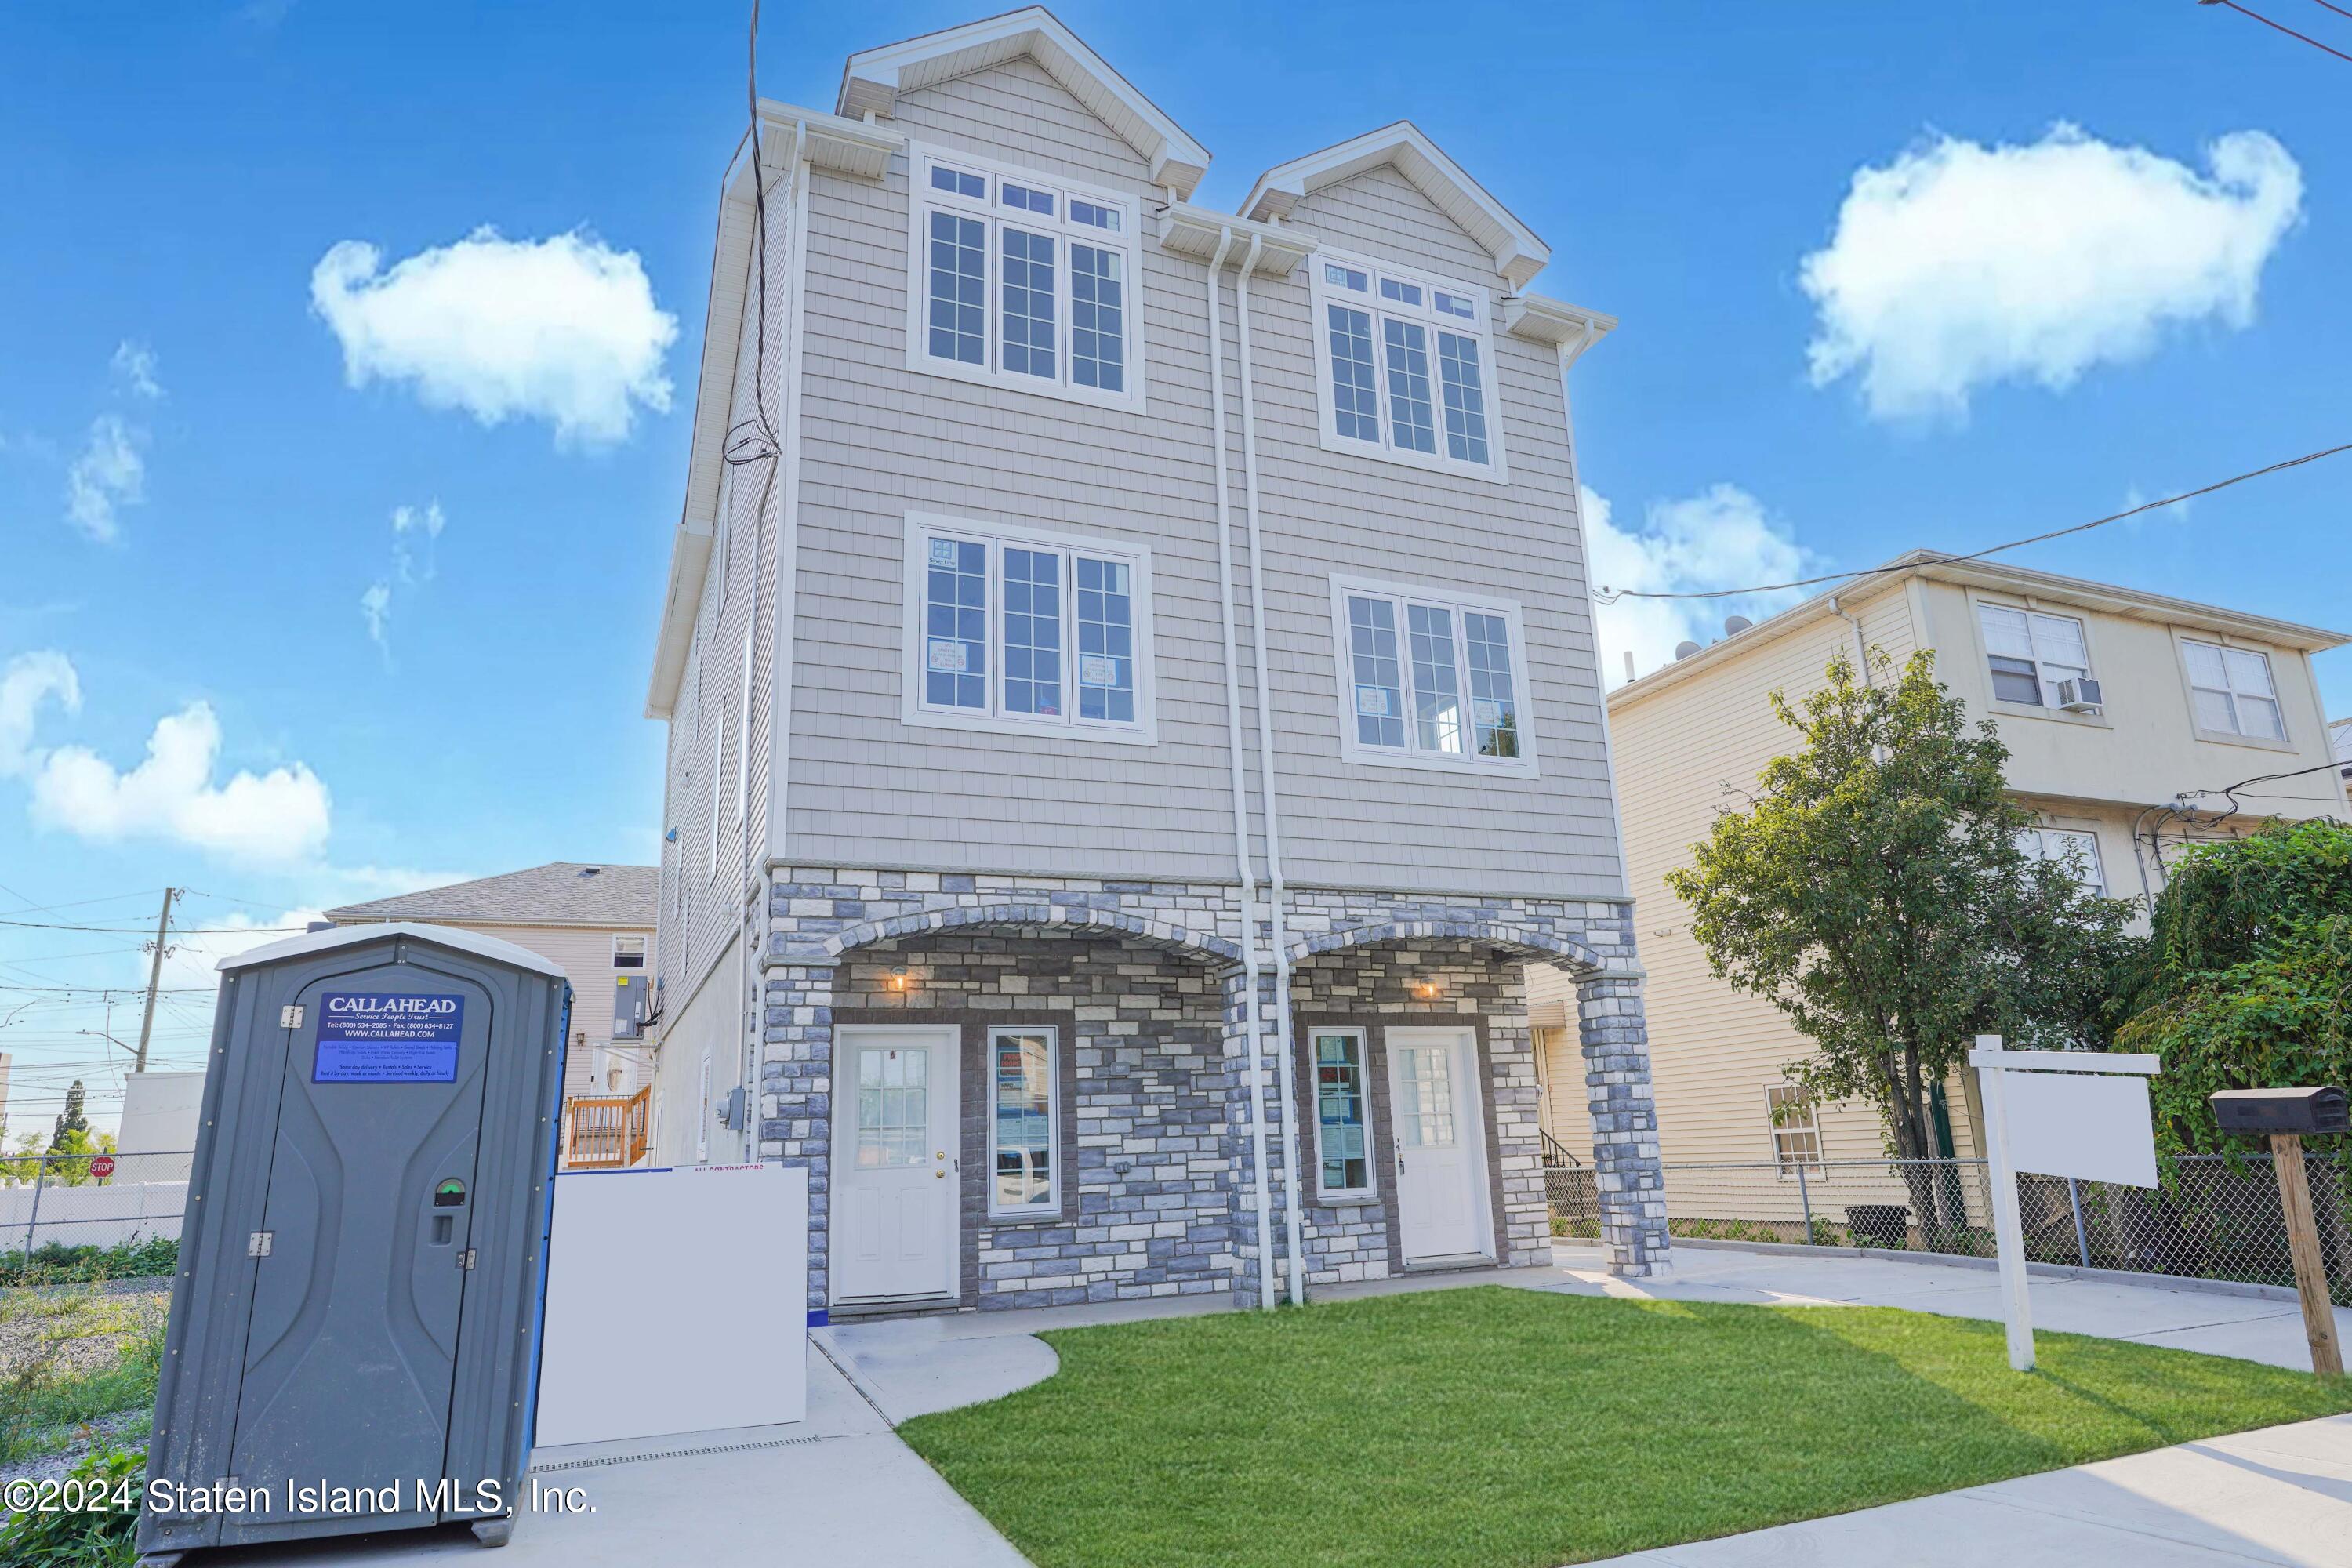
{"x":1519,"y":251}
{"x":872,"y":79}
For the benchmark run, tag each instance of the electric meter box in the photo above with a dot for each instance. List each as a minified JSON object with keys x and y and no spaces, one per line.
{"x":354,"y":1329}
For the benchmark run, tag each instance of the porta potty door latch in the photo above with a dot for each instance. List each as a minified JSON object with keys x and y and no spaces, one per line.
{"x":466,"y":1259}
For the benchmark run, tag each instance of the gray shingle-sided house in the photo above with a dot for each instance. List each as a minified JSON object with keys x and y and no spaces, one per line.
{"x":1133,"y":706}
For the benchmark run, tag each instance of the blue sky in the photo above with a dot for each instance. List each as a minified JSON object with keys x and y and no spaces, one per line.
{"x":2127,"y":318}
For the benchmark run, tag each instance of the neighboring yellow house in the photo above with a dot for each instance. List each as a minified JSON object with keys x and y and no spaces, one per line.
{"x":2124,"y":712}
{"x":595,"y":921}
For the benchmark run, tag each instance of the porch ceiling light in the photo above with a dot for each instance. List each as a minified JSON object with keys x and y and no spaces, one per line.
{"x":1427,"y":990}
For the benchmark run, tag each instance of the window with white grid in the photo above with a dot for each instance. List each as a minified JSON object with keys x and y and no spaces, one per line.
{"x":1023,"y":280}
{"x":2232,"y":691}
{"x":2029,"y":653}
{"x":1796,"y":1131}
{"x":1427,"y":680}
{"x":2074,"y":849}
{"x":1406,"y":367}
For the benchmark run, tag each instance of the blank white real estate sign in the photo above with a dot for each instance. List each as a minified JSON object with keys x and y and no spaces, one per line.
{"x":2089,"y":1125}
{"x":646,"y":1272}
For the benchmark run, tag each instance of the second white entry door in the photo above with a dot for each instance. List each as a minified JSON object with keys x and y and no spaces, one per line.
{"x":1441,"y":1166}
{"x":895,"y":1164}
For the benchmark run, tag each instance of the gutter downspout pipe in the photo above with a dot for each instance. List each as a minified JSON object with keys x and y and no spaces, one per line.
{"x":1276,"y":895}
{"x":1248,"y":881}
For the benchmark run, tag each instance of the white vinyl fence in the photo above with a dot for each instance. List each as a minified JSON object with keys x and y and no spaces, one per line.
{"x":63,"y":1200}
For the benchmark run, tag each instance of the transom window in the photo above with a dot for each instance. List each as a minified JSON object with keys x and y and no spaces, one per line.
{"x":1020,"y":1134}
{"x":1426,"y":681}
{"x":1342,"y":1112}
{"x":1796,"y":1132}
{"x":1019,"y":279}
{"x":2232,"y":691}
{"x":2030,"y":653}
{"x":2076,"y":851}
{"x":1406,"y":368}
{"x":1027,"y":631}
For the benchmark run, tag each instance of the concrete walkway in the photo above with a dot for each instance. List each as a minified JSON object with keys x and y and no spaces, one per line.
{"x":840,"y":1487}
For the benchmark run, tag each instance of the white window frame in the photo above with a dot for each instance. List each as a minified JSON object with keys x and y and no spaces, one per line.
{"x":1323,"y":294}
{"x":2047,"y":686}
{"x":924,"y":199}
{"x":743,"y":747}
{"x":718,"y":771}
{"x":913,"y":707}
{"x":1055,"y":1177}
{"x":644,"y":950}
{"x":2224,"y":647}
{"x":1412,"y":756}
{"x":2066,"y":840}
{"x":1369,"y":1190}
{"x":1786,"y":1164}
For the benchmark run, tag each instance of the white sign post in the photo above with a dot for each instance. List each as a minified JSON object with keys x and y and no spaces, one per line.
{"x":2082,"y":1114}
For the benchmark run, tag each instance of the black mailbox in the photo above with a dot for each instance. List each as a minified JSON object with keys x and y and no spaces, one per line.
{"x":2317,"y":1109}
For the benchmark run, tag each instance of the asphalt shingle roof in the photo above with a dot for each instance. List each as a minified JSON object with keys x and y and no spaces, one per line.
{"x":563,"y":892}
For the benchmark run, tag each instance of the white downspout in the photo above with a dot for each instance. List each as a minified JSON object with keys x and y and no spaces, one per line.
{"x":1275,"y":894}
{"x":1240,"y":788}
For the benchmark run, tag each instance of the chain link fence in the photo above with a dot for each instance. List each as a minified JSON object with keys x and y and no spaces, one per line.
{"x":65,"y":1203}
{"x":2212,"y":1218}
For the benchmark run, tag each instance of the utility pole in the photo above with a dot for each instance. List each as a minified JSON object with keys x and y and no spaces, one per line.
{"x":155,"y":977}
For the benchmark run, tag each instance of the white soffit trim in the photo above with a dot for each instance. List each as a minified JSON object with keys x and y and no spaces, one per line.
{"x":1186,"y":231}
{"x":871,"y":80}
{"x":1518,"y":253}
{"x":1552,"y":321}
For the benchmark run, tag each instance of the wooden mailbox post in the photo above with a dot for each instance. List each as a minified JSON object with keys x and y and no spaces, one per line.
{"x":2286,"y":1115}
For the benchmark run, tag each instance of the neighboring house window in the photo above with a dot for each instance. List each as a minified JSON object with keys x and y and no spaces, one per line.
{"x":1342,"y":1113}
{"x":1020,"y":1138}
{"x":2231,"y":689}
{"x":1796,"y":1132}
{"x":1429,"y":680}
{"x":1023,"y":279}
{"x":1406,"y":367}
{"x":2076,"y":851}
{"x":2030,"y":653}
{"x":628,"y":952}
{"x":1023,"y":631}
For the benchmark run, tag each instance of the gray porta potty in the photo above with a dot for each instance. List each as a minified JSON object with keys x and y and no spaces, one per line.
{"x":362,"y":1263}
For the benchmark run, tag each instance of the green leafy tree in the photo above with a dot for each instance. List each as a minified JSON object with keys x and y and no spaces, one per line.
{"x":2246,"y":979}
{"x":1876,"y":892}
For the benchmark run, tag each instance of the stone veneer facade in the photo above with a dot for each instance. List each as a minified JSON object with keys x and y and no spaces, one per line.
{"x":1151,"y":979}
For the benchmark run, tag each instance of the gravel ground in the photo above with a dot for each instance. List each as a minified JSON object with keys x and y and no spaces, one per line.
{"x":77,"y":1329}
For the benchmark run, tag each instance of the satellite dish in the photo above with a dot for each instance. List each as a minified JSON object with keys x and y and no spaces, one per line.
{"x":1684,"y":649}
{"x":1735,"y":624}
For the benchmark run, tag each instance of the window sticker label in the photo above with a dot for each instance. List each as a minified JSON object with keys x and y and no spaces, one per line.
{"x":1098,"y":670}
{"x":1372,"y":700}
{"x":947,"y":653}
{"x":372,"y":1037}
{"x":1486,"y":711}
{"x":943,"y":552}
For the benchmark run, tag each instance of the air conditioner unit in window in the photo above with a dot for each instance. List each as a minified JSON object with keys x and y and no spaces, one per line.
{"x":2079,"y":696}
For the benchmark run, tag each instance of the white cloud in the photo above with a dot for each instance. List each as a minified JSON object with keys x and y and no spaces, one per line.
{"x":412,"y":564}
{"x":29,"y":679}
{"x":1720,"y":537}
{"x":563,"y":330}
{"x":375,"y":609}
{"x":135,"y":364}
{"x":109,"y":473}
{"x":275,"y":817}
{"x":1959,"y":266}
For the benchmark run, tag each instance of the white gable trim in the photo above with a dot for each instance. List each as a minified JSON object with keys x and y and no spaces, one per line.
{"x":871,"y":80}
{"x":1518,"y":254}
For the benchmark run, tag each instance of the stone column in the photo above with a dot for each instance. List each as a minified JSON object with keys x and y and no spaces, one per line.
{"x":1249,"y":1244}
{"x":1632,"y":1195}
{"x":796,"y":1093}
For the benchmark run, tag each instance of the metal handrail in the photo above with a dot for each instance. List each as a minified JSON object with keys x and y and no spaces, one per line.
{"x":1556,"y":1154}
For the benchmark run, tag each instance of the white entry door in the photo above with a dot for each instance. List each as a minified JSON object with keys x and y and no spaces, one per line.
{"x":1441,"y":1166}
{"x":895,"y":1164}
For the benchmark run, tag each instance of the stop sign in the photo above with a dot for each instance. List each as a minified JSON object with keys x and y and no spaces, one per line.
{"x":103,"y":1166}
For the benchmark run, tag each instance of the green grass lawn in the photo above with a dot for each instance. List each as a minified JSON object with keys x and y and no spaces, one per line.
{"x":1506,"y":1428}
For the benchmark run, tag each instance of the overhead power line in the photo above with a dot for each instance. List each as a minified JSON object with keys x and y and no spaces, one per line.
{"x":1611,"y":596}
{"x":143,"y":931}
{"x":2283,"y":28}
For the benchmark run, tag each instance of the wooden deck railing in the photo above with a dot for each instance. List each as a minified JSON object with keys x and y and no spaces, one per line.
{"x":608,"y":1134}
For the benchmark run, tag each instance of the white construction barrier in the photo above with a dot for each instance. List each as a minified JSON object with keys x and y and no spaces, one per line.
{"x":652,"y":1276}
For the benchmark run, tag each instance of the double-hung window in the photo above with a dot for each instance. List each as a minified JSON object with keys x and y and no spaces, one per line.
{"x":1343,"y":1113}
{"x":1023,"y":280}
{"x":1027,"y":631}
{"x":2029,"y":653}
{"x":2232,"y":691}
{"x":1406,"y":367}
{"x":2076,"y":851}
{"x":1796,"y":1131}
{"x":1021,"y":1099}
{"x":1430,"y":680}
